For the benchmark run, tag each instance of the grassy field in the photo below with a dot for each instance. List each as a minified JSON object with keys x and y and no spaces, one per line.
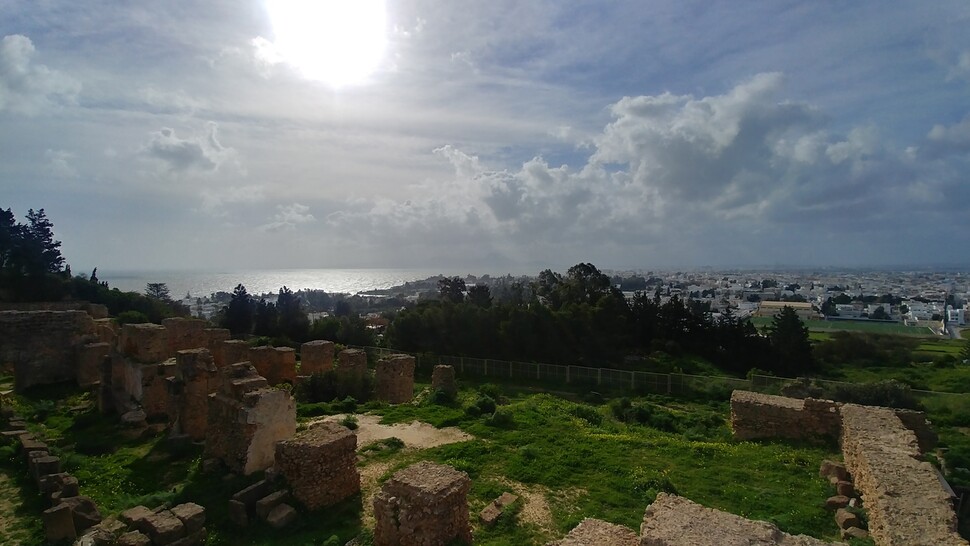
{"x":854,"y":326}
{"x":597,"y":458}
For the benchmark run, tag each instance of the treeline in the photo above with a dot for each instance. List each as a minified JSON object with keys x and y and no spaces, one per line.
{"x":285,"y":321}
{"x":582,"y":318}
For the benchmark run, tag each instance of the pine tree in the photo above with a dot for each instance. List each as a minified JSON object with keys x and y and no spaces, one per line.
{"x":791,"y":344}
{"x":238,"y":316}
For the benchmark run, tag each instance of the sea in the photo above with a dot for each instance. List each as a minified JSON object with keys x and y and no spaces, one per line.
{"x":196,"y":284}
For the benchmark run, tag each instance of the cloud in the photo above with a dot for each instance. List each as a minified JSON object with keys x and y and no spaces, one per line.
{"x":27,"y":87}
{"x":59,"y":163}
{"x":201,"y":153}
{"x":943,"y":139}
{"x":288,"y":217}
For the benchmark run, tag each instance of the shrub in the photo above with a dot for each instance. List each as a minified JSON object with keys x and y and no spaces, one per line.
{"x":131,"y":317}
{"x":350,"y":422}
{"x":502,"y":418}
{"x":889,"y":393}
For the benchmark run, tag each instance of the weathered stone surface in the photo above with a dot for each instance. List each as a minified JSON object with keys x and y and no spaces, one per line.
{"x":320,"y":464}
{"x":833,"y":469}
{"x":266,"y":504}
{"x":394,"y":379}
{"x":134,"y":538}
{"x":837,"y":501}
{"x":845,"y":488}
{"x":443,"y":378}
{"x":132,"y":517}
{"x":231,"y":352}
{"x":755,"y":415}
{"x":155,"y":397}
{"x":89,"y":359}
{"x":191,"y":515}
{"x":44,"y":465}
{"x":853,"y":532}
{"x":134,"y":419}
{"x":238,"y":513}
{"x":42,"y":345}
{"x":246,"y":419}
{"x":162,"y":527}
{"x":351,"y":364}
{"x":185,"y":333}
{"x":904,"y":498}
{"x":846,"y":519}
{"x":84,"y":510}
{"x":58,"y":523}
{"x":316,"y":357}
{"x":594,"y":532}
{"x":493,"y":510}
{"x":145,"y":343}
{"x":276,"y":364}
{"x":675,"y":521}
{"x":425,"y":503}
{"x":281,"y":516}
{"x":189,"y":389}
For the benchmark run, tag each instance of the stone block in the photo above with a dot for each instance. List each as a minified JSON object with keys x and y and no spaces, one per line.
{"x":84,"y":510}
{"x":134,"y":538}
{"x":844,"y":488}
{"x":146,"y":343}
{"x":238,"y":513}
{"x":162,"y":527}
{"x":191,"y":515}
{"x":58,"y":523}
{"x":231,"y":352}
{"x":832,"y":469}
{"x":133,"y":517}
{"x":281,"y":516}
{"x":443,"y":378}
{"x":320,"y":464}
{"x":276,"y":364}
{"x":316,"y":357}
{"x":351,"y":364}
{"x":596,"y":532}
{"x":266,"y":504}
{"x":394,"y":379}
{"x":249,"y":495}
{"x":185,"y":333}
{"x":41,"y":345}
{"x":89,"y":359}
{"x":755,"y":415}
{"x":837,"y":501}
{"x":846,"y":519}
{"x":425,"y":503}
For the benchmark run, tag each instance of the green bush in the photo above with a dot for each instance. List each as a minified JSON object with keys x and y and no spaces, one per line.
{"x":890,"y":393}
{"x":131,"y":317}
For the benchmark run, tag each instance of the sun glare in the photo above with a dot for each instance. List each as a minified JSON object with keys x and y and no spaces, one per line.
{"x":340,"y":42}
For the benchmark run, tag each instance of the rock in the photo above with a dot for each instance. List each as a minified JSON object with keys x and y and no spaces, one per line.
{"x":58,"y":523}
{"x":838,"y":501}
{"x":505,"y":499}
{"x":134,"y":419}
{"x":853,"y":532}
{"x":281,"y":516}
{"x":844,"y":488}
{"x":238,"y":513}
{"x":133,"y":516}
{"x":191,"y":515}
{"x":134,"y":538}
{"x":84,"y":510}
{"x":832,"y":469}
{"x":163,"y":527}
{"x":846,"y":519}
{"x":211,"y":466}
{"x":266,"y":504}
{"x":490,"y":514}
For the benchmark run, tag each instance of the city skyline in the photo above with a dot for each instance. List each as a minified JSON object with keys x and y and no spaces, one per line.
{"x":489,"y":137}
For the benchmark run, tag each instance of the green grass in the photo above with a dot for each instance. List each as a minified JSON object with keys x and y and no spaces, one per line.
{"x":823,"y":326}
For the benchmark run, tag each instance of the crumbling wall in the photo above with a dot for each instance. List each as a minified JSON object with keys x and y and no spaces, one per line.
{"x":214,"y":338}
{"x":755,"y":415}
{"x":351,"y":364}
{"x":185,"y":333}
{"x":595,"y":532}
{"x":230,"y":352}
{"x":443,"y":378}
{"x":320,"y":464}
{"x":394,"y":378}
{"x":189,"y":389}
{"x":903,"y":495}
{"x":90,"y":358}
{"x":276,"y":364}
{"x":96,"y":310}
{"x":246,"y":418}
{"x":425,"y":503}
{"x":144,"y":342}
{"x":316,"y":357}
{"x":41,"y":346}
{"x":675,"y":521}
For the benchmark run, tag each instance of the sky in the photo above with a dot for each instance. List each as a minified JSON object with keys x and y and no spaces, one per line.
{"x":489,"y":136}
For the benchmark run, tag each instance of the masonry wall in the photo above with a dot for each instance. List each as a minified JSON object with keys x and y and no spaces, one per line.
{"x":755,"y":415}
{"x":276,"y":364}
{"x":320,"y":464}
{"x":316,"y":357}
{"x":41,"y":346}
{"x":394,"y":379}
{"x":423,"y":504}
{"x":903,"y":496}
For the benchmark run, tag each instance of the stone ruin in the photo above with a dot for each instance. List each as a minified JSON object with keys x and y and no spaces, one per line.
{"x":231,"y":351}
{"x":276,"y":364}
{"x":316,"y":357}
{"x":443,"y":378}
{"x":423,"y":504}
{"x":904,"y":496}
{"x":41,"y":346}
{"x":675,"y":521}
{"x":394,"y":379}
{"x":352,"y":364}
{"x":246,"y":419}
{"x":181,"y":525}
{"x":320,"y":464}
{"x":188,"y":391}
{"x":597,"y":532}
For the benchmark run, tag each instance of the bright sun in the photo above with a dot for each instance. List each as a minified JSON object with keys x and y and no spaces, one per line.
{"x":339,"y":42}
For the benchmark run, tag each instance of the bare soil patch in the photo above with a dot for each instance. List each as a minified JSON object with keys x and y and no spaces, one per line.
{"x":415,"y":434}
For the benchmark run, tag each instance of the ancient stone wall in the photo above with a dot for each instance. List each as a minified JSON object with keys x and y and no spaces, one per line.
{"x":320,"y":464}
{"x":276,"y":364}
{"x":903,"y":495}
{"x":231,"y":352}
{"x":185,"y":333}
{"x":394,"y":379}
{"x":90,"y":357}
{"x":443,"y":378}
{"x":96,"y":310}
{"x":144,"y":342}
{"x":107,"y":331}
{"x":41,"y":346}
{"x":316,"y":357}
{"x":675,"y":521}
{"x":423,"y":504}
{"x":595,"y":532}
{"x":246,"y":419}
{"x":755,"y":415}
{"x":214,"y":339}
{"x":155,"y":398}
{"x":352,"y":363}
{"x":189,"y":389}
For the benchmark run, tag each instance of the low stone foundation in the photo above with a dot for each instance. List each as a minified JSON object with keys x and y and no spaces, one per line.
{"x":423,"y":504}
{"x":316,"y":357}
{"x":903,"y":495}
{"x":676,"y":521}
{"x":394,"y":379}
{"x":755,"y":415}
{"x":595,"y":532}
{"x":320,"y":464}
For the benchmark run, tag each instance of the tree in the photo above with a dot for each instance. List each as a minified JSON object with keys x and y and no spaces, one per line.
{"x":10,"y":235}
{"x":158,"y":291}
{"x":480,"y":295}
{"x":880,"y":314}
{"x":790,"y":342}
{"x":451,"y":289}
{"x":293,"y":320}
{"x":266,"y":320}
{"x":29,"y":249}
{"x":239,"y":313}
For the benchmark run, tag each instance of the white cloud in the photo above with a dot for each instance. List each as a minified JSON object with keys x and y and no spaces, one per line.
{"x":27,"y":87}
{"x":288,"y":217}
{"x":201,"y":152}
{"x":59,"y":163}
